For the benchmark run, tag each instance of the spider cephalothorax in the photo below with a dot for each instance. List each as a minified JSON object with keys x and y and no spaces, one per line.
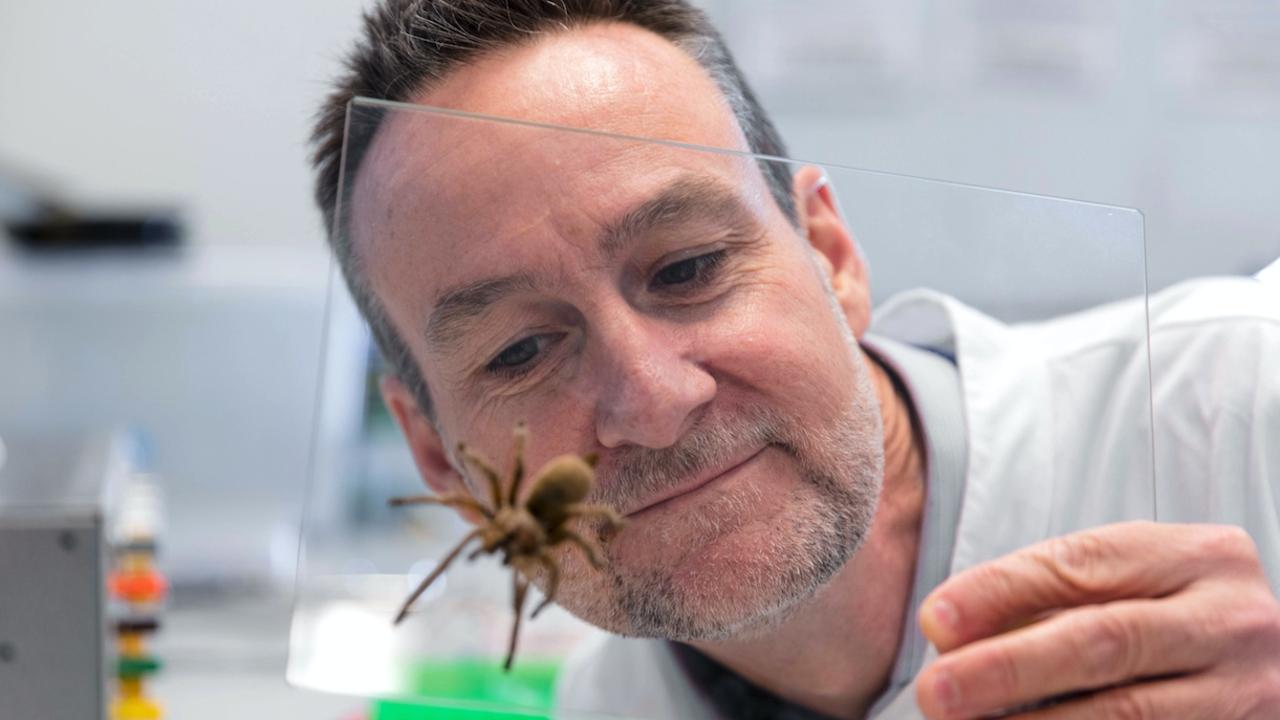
{"x":523,"y":531}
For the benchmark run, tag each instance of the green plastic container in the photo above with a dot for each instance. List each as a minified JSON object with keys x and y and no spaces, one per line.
{"x":475,"y":690}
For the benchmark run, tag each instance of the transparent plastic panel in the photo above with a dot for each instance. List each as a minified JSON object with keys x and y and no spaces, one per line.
{"x":721,"y":334}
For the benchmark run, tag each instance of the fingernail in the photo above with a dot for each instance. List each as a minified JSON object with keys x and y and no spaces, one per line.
{"x":945,"y":690}
{"x":945,"y":613}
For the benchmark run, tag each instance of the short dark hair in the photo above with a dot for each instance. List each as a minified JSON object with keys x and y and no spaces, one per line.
{"x":408,"y":45}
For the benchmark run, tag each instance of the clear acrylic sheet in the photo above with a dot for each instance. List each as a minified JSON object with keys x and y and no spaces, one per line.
{"x":456,"y":196}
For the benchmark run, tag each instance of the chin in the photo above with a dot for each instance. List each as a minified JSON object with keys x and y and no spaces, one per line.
{"x":736,"y":577}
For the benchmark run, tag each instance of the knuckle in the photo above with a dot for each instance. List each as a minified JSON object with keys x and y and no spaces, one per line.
{"x":1228,"y":543}
{"x":1216,"y":622}
{"x":991,"y":576}
{"x":1127,"y":704}
{"x":1109,"y":648}
{"x":1263,"y":623}
{"x":1256,"y":620}
{"x":1005,"y":670}
{"x":992,"y":585}
{"x":1080,"y":561}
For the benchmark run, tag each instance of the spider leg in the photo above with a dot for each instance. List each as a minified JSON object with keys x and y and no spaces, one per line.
{"x":517,"y":472}
{"x":604,"y":512}
{"x":422,"y":587}
{"x":492,"y":545}
{"x":487,"y":546}
{"x":519,"y":589}
{"x":592,"y":553}
{"x":479,"y":463}
{"x":453,"y":499}
{"x":553,"y":570}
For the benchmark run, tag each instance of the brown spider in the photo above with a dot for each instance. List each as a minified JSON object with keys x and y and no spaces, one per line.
{"x":524,"y":533}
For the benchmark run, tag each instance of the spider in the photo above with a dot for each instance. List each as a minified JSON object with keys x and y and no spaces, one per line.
{"x":523,"y":532}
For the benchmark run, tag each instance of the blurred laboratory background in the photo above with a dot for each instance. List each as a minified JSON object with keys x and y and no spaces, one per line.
{"x":163,"y":273}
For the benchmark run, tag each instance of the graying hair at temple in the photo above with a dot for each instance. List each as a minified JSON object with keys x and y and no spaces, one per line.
{"x":408,"y":45}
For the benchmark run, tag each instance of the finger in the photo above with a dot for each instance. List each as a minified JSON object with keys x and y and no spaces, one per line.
{"x":1197,"y":697}
{"x":1129,"y":560}
{"x":1081,"y":649}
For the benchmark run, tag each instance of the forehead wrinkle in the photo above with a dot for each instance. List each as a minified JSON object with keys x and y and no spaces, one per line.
{"x":460,"y":307}
{"x":689,"y":197}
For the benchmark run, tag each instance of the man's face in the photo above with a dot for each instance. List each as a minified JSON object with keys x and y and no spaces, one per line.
{"x":643,"y":302}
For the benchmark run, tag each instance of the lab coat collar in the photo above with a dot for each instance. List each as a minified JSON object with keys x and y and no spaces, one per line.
{"x":1008,"y":498}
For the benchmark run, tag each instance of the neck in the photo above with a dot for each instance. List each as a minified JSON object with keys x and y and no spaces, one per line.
{"x":835,"y":654}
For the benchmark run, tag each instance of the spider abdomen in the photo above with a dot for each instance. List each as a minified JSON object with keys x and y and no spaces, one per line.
{"x":565,"y":480}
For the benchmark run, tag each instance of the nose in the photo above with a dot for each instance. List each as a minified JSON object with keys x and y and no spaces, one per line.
{"x":651,"y":388}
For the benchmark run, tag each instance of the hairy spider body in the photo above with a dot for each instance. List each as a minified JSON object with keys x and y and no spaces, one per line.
{"x":523,"y":532}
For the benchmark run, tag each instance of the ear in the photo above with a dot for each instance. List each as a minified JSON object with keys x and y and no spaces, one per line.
{"x":425,"y":444}
{"x":834,"y":247}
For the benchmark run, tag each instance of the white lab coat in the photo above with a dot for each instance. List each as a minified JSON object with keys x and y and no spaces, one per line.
{"x":1059,"y":430}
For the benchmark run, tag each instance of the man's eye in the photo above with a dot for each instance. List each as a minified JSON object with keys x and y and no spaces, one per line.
{"x":515,"y":358}
{"x":692,"y":271}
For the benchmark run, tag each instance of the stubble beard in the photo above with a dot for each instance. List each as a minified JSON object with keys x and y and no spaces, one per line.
{"x":825,"y":522}
{"x":826,"y":519}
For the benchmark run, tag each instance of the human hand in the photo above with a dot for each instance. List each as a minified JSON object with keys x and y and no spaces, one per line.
{"x":1134,"y":620}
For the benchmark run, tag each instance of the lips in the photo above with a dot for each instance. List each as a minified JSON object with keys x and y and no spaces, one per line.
{"x":696,"y":483}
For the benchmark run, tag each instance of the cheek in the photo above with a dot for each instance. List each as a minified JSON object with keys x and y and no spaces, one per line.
{"x":784,"y":339}
{"x":557,"y":423}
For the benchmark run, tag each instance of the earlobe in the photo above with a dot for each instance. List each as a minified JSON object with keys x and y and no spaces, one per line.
{"x":833,"y":246}
{"x":424,"y":440}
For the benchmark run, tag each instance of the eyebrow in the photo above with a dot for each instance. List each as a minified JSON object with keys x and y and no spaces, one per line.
{"x":460,"y":307}
{"x":685,"y":199}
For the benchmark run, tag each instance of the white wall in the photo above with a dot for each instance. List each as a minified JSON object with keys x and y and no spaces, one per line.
{"x":214,"y":352}
{"x":204,"y":104}
{"x":1169,"y":106}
